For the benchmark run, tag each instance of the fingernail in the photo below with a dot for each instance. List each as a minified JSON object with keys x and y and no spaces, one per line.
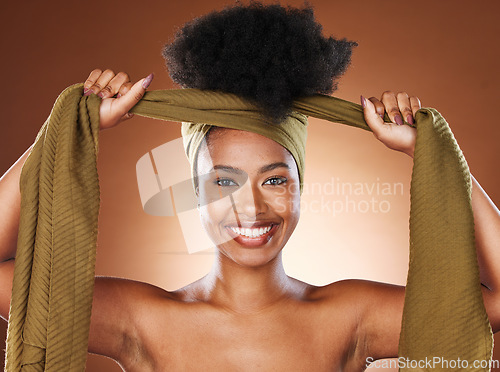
{"x":101,"y":94}
{"x":147,"y":81}
{"x":118,"y":95}
{"x":398,"y":119}
{"x":410,"y":120}
{"x":88,"y":92}
{"x":363,"y":102}
{"x":85,"y":90}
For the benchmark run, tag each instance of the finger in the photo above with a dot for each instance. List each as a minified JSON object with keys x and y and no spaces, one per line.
{"x":415,"y":104}
{"x":379,"y":106}
{"x":404,"y":107}
{"x":94,"y":75}
{"x":134,"y":95}
{"x":372,"y":118}
{"x":124,"y":89}
{"x":114,"y":85}
{"x":391,"y":106}
{"x":101,"y":82}
{"x":127,"y":116}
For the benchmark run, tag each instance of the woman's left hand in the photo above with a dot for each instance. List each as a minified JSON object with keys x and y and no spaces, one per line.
{"x":395,"y":135}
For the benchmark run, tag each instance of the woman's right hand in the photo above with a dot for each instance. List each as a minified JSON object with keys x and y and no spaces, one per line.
{"x":107,"y":85}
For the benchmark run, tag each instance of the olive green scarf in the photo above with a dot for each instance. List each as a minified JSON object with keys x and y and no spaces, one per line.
{"x":443,"y":316}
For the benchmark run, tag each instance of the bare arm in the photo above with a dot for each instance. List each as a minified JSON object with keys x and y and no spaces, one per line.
{"x":10,"y":203}
{"x":10,"y":200}
{"x":383,"y":304}
{"x":487,"y":233}
{"x":110,"y":320}
{"x":381,"y":323}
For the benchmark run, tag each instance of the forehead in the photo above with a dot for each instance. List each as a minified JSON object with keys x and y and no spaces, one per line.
{"x":238,"y":147}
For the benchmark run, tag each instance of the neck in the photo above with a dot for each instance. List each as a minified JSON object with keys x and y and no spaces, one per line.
{"x":247,"y":289}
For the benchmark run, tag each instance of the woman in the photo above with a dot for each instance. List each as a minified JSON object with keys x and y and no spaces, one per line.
{"x":285,"y":323}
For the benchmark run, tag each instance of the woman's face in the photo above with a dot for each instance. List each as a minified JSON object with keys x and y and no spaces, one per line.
{"x":249,"y":197}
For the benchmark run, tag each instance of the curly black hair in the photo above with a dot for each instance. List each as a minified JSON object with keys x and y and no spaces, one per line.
{"x":269,"y":54}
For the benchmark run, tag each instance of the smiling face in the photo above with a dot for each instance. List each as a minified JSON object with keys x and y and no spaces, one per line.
{"x":248,"y":191}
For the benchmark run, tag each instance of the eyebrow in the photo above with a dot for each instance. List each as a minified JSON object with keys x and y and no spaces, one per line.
{"x":264,"y":169}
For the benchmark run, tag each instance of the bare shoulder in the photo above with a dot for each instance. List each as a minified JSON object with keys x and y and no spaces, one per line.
{"x":358,"y":288}
{"x":131,"y":289}
{"x":372,"y":311}
{"x":118,"y":307}
{"x":128,"y":297}
{"x":371,"y":301}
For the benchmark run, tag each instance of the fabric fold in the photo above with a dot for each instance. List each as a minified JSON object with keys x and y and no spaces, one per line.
{"x":54,"y":271}
{"x":444,"y":314}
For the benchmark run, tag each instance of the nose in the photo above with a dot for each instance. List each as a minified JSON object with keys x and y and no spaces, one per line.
{"x":249,"y":200}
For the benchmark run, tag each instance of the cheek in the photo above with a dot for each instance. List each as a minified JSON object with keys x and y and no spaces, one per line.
{"x":214,"y":213}
{"x":287,"y":205}
{"x":209,"y":215}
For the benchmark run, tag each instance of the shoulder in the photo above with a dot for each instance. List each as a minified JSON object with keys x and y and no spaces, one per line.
{"x":368,"y":300}
{"x":130,"y":288}
{"x":371,"y":311}
{"x":378,"y":311}
{"x":129,"y":296}
{"x":361,"y":290}
{"x":118,"y":307}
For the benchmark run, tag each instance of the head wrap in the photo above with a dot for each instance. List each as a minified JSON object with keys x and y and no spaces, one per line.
{"x":54,"y":272}
{"x":291,"y":133}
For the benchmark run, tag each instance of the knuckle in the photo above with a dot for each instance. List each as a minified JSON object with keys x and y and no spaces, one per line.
{"x":107,"y":88}
{"x":402,"y":95}
{"x":96,"y":71}
{"x":122,"y":91}
{"x":108,"y":72}
{"x":97,"y":85}
{"x":387,"y":94}
{"x":125,"y":88}
{"x":138,"y":96}
{"x":123,"y":75}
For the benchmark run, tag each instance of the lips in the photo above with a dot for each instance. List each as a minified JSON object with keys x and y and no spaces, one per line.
{"x":252,"y":235}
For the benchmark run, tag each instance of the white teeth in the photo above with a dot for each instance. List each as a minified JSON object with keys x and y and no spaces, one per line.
{"x":251,"y":233}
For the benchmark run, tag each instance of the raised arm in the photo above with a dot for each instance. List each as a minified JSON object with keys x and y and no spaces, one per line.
{"x":10,"y":202}
{"x":109,"y":323}
{"x":381,"y":324}
{"x":487,"y":233}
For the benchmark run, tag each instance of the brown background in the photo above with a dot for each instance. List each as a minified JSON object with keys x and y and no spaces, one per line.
{"x":445,"y":52}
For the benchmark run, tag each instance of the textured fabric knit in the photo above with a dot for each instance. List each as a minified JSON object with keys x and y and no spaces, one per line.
{"x":444,"y":314}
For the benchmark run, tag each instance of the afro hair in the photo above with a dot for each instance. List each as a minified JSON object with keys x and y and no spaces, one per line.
{"x":268,"y":54}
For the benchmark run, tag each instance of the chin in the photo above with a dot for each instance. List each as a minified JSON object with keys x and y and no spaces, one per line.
{"x":250,"y":258}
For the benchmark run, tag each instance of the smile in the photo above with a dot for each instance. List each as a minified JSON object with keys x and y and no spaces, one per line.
{"x":251,"y":233}
{"x":250,"y":237}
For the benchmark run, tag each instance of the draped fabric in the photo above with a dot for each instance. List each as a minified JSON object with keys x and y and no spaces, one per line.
{"x":54,"y":271}
{"x":444,"y":314}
